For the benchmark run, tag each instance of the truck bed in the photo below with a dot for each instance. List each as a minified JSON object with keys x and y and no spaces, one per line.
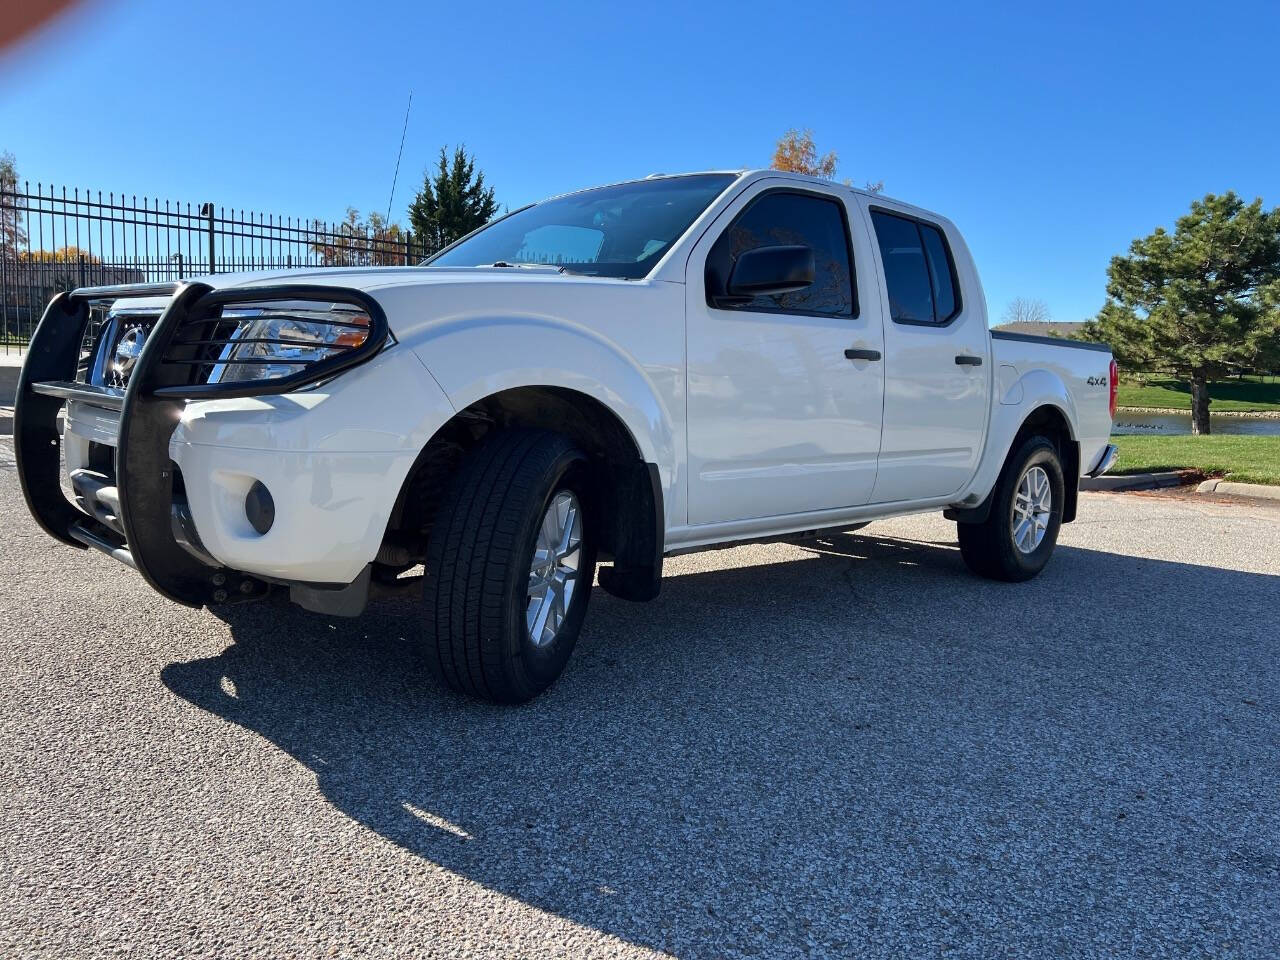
{"x":1083,"y":366}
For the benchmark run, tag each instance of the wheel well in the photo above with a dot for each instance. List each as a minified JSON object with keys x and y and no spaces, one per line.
{"x":631,"y":506}
{"x":1049,"y":421}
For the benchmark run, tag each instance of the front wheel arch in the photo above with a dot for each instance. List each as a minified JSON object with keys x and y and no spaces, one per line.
{"x":632,"y":505}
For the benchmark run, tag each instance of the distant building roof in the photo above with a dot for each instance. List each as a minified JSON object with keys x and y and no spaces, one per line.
{"x":1040,"y":329}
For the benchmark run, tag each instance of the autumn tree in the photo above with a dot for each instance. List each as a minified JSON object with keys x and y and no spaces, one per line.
{"x":797,"y":153}
{"x":360,"y":242}
{"x":453,"y":201}
{"x":1026,"y":310}
{"x":69,"y":254}
{"x":1200,"y":302}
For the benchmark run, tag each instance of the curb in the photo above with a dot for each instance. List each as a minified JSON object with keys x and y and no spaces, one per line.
{"x":1231,"y":489}
{"x":1140,"y":481}
{"x":8,"y":384}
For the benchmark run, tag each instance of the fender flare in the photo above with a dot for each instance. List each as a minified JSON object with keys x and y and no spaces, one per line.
{"x":484,"y":358}
{"x":476,"y":357}
{"x":1039,"y":389}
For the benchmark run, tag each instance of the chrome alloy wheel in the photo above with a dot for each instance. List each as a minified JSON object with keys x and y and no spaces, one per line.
{"x":553,"y":574}
{"x":1032,"y":506}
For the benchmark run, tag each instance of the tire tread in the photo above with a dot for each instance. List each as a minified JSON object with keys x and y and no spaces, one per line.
{"x":469,"y":561}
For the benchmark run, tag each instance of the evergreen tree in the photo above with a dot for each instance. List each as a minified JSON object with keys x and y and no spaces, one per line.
{"x":1201,"y":302}
{"x":453,"y":201}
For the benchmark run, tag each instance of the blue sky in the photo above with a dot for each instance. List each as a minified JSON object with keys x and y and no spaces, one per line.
{"x":1051,"y":136}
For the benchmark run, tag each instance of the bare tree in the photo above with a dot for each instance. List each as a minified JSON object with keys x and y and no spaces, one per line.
{"x":12,"y":233}
{"x":1027,"y":310}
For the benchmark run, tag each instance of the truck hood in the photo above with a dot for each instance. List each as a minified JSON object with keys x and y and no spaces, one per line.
{"x":371,"y":279}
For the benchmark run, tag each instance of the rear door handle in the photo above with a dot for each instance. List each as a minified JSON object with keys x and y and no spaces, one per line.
{"x":965,"y":360}
{"x":862,"y":354}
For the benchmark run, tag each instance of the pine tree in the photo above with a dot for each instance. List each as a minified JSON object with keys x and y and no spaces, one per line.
{"x":1201,"y":302}
{"x":453,"y":201}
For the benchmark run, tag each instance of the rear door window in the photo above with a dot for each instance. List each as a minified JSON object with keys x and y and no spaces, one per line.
{"x":918,"y":270}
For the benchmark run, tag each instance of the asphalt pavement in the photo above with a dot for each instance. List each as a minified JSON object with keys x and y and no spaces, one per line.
{"x":845,"y":748}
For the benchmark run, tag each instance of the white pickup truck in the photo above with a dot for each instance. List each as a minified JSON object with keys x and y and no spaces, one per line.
{"x":613,"y":375}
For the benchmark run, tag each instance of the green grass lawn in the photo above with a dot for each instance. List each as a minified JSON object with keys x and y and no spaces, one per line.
{"x":1249,"y":394}
{"x":1246,"y":459}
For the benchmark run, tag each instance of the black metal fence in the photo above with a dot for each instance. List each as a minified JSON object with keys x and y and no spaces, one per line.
{"x":53,"y":239}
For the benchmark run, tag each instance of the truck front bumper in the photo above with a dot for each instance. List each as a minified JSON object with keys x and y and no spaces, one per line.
{"x":161,"y":481}
{"x":331,"y":490}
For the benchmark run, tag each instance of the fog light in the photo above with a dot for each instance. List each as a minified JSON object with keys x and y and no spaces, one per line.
{"x":259,"y":507}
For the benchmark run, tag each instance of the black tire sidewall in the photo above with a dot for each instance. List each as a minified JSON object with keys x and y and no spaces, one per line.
{"x":1035,"y":451}
{"x":533,"y":667}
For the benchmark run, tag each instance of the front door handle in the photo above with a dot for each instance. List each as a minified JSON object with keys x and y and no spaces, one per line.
{"x":862,"y":354}
{"x":965,"y":360}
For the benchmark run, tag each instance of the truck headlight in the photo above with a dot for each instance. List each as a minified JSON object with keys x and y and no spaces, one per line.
{"x":275,"y":341}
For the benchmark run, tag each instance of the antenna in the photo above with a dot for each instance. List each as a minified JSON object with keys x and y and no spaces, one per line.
{"x":396,"y":175}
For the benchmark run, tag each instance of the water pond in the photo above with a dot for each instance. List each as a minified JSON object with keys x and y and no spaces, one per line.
{"x":1161,"y":424}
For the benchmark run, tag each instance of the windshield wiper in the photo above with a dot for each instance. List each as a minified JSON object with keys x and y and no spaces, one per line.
{"x":559,"y":268}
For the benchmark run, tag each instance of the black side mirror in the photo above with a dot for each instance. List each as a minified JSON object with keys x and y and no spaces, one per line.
{"x":770,"y":271}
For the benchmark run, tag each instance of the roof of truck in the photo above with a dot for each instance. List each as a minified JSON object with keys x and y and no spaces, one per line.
{"x":761,"y":171}
{"x":744,"y":172}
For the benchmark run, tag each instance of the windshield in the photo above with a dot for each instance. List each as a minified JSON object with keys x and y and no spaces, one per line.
{"x":618,"y":231}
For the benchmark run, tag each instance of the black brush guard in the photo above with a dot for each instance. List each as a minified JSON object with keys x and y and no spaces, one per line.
{"x":163,"y":379}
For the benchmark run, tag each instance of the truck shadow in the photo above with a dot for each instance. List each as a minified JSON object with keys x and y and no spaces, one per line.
{"x":855,"y":744}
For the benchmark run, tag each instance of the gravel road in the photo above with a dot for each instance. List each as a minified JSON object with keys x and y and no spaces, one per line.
{"x":845,"y":748}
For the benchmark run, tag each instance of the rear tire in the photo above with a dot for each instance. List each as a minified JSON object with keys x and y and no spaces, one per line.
{"x":482,"y":572}
{"x":1016,"y":540}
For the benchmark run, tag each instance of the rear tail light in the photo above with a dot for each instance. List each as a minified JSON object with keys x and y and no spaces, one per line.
{"x":1115,"y":375}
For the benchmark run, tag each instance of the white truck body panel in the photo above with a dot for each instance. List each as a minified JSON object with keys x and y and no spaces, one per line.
{"x":780,"y":422}
{"x":757,"y":423}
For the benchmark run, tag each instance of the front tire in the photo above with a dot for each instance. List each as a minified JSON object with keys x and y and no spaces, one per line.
{"x":1016,"y":540}
{"x":510,"y":562}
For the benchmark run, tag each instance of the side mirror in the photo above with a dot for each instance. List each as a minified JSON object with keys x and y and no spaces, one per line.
{"x":770,"y":271}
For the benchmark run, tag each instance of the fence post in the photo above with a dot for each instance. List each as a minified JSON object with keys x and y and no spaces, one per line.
{"x":206,"y":210}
